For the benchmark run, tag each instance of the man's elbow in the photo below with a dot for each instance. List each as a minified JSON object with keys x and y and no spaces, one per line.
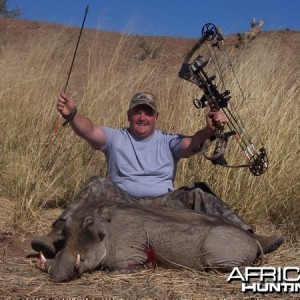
{"x":187,"y":148}
{"x":96,"y":145}
{"x":187,"y":153}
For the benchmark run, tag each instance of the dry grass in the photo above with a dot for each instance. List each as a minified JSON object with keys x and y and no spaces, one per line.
{"x":37,"y":173}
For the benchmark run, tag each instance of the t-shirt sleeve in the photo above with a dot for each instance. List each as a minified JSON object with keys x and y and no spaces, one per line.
{"x":175,"y":145}
{"x":110,"y":134}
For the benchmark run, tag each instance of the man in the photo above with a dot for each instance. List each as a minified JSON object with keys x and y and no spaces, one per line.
{"x":142,"y":167}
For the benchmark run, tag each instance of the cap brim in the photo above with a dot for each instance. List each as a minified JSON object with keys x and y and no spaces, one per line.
{"x":142,"y":102}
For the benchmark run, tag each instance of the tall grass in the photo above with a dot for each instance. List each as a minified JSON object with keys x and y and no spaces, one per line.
{"x":38,"y":171}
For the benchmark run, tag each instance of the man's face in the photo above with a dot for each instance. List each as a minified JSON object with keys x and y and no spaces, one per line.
{"x":142,"y":120}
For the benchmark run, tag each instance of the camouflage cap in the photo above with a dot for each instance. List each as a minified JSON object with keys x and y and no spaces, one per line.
{"x":143,"y":99}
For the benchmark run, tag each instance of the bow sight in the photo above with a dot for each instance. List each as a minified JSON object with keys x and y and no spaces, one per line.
{"x":215,"y":100}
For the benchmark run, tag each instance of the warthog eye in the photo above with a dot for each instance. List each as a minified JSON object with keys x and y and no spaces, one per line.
{"x":88,"y":221}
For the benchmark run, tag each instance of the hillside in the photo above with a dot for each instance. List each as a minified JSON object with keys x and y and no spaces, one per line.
{"x":40,"y":174}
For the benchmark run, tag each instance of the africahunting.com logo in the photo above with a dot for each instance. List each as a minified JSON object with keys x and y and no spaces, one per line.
{"x":267,"y":279}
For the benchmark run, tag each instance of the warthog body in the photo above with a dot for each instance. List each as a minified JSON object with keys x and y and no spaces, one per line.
{"x":125,"y":237}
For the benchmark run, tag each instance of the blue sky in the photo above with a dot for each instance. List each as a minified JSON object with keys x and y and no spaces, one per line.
{"x":164,"y":17}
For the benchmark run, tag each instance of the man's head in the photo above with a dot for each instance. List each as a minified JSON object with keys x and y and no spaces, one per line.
{"x":142,"y":115}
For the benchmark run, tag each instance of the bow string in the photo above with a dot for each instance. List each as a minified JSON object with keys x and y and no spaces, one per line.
{"x":193,"y":70}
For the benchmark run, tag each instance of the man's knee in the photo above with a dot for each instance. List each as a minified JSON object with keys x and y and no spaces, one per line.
{"x":198,"y":185}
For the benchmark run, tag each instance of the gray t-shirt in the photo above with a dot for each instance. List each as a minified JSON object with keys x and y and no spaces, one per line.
{"x":142,"y":167}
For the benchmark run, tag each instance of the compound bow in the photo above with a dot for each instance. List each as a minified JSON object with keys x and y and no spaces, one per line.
{"x":257,"y":160}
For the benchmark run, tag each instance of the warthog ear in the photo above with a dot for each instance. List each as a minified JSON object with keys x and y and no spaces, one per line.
{"x":88,"y":221}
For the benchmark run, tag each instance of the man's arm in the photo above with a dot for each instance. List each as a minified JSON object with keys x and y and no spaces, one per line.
{"x":81,"y":125}
{"x":190,"y":145}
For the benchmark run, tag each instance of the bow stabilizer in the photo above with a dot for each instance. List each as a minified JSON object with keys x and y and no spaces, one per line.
{"x":194,"y":71}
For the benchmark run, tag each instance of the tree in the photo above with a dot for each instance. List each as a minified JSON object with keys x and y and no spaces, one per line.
{"x":5,"y":12}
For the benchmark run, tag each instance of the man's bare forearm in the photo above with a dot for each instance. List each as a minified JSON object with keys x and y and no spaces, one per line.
{"x":85,"y":128}
{"x":192,"y":145}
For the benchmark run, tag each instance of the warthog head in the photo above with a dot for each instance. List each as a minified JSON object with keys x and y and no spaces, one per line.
{"x":84,"y":248}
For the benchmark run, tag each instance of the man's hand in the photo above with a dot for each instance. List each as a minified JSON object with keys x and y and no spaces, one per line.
{"x":214,"y":119}
{"x":81,"y":125}
{"x":65,"y":105}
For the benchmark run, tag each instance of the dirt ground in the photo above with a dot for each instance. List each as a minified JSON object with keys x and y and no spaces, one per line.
{"x":20,"y":279}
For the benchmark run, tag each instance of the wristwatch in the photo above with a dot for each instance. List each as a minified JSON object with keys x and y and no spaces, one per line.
{"x":70,"y":117}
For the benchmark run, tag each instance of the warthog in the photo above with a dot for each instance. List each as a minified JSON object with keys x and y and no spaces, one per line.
{"x":123,"y":237}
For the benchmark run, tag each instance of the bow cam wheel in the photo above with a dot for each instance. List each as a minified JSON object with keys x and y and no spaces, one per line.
{"x":209,"y":31}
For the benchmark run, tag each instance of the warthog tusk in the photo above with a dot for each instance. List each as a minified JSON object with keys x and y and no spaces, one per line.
{"x":77,"y":263}
{"x":42,"y":257}
{"x":40,"y":263}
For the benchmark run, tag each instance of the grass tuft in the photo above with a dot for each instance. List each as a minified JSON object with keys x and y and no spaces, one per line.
{"x":38,"y":171}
